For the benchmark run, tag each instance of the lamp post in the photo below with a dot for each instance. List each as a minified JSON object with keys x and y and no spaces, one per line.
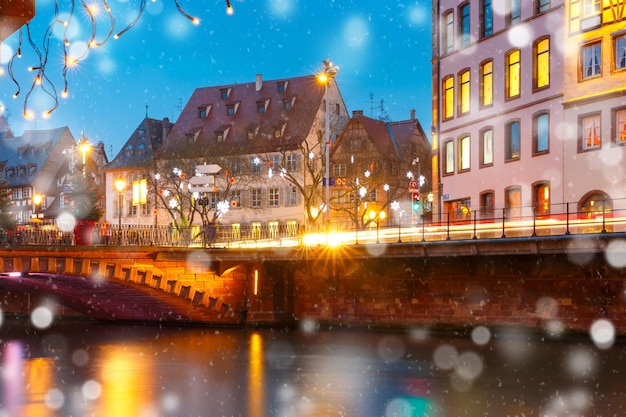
{"x":120,"y":186}
{"x":377,"y":217}
{"x":329,"y":71}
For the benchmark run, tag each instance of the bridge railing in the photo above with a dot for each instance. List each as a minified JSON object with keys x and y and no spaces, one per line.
{"x":469,"y":225}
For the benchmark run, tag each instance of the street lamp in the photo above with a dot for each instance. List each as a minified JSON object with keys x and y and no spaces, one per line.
{"x":37,"y":203}
{"x":329,"y":71}
{"x":84,"y":147}
{"x":120,"y":186}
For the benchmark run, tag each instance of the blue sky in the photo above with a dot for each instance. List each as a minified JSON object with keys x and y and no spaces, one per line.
{"x":382,"y":47}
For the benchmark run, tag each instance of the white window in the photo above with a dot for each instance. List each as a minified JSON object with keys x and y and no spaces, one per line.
{"x":591,"y":64}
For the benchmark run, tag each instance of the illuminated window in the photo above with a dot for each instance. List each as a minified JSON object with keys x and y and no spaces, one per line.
{"x":255,"y":230}
{"x":619,"y":43}
{"x":464,"y":153}
{"x":541,"y":132}
{"x":590,"y":132}
{"x":542,"y":198}
{"x":619,"y":117}
{"x":486,"y":83}
{"x":464,"y":92}
{"x":486,"y":147}
{"x":448,"y":32}
{"x":514,"y":12}
{"x":486,"y":19}
{"x":591,"y":60}
{"x":541,"y":70}
{"x":464,"y":24}
{"x":513,"y":74}
{"x":448,"y":158}
{"x":448,"y":97}
{"x":512,"y":146}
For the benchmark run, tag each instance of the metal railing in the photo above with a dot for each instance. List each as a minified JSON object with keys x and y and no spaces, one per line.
{"x":495,"y":224}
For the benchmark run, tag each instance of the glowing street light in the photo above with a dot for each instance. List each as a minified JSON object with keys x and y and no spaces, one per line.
{"x":377,"y":217}
{"x":329,"y":72}
{"x":84,"y":147}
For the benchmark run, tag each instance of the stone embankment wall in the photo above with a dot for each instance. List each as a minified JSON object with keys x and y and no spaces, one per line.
{"x":549,"y":292}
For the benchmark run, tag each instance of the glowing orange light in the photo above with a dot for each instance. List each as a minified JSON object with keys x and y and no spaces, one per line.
{"x":256,"y":281}
{"x":64,"y":94}
{"x":195,"y":21}
{"x":28,"y":114}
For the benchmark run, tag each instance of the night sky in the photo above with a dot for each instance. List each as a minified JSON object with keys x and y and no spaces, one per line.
{"x":382,"y":47}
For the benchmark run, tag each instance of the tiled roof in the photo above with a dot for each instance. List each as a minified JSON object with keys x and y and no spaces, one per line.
{"x":390,"y":138}
{"x":249,"y":118}
{"x":139,"y":148}
{"x":30,"y":149}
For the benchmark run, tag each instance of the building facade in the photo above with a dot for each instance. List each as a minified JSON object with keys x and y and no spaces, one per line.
{"x":497,"y":108}
{"x":373,"y":164}
{"x":594,"y":103}
{"x":134,"y":202}
{"x":269,"y":140}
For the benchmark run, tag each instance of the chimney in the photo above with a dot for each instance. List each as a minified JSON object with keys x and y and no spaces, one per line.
{"x":412,"y":114}
{"x":357,"y":113}
{"x":259,"y":82}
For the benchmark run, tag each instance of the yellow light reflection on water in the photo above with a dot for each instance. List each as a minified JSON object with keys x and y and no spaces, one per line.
{"x":256,"y":387}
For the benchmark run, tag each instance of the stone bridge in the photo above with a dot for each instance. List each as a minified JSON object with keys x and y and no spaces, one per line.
{"x":568,"y":281}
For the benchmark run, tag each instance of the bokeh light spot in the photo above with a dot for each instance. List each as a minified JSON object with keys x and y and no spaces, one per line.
{"x":91,"y":390}
{"x":602,"y":333}
{"x":615,"y":253}
{"x":41,"y":317}
{"x":445,"y":357}
{"x":54,"y":399}
{"x":481,"y":335}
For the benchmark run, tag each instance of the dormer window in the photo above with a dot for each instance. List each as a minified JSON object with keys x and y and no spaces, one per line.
{"x":231,"y":109}
{"x":190,"y":138}
{"x":32,"y":168}
{"x":203,"y":111}
{"x":221,"y":133}
{"x":21,"y":170}
{"x":288,"y":103}
{"x":282,"y":86}
{"x":261,"y":106}
{"x":128,"y":151}
{"x":224,"y":93}
{"x":252,"y":132}
{"x":9,"y":172}
{"x":279,"y":130}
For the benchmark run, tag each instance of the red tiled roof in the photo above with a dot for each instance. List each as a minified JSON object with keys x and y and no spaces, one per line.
{"x":249,"y":131}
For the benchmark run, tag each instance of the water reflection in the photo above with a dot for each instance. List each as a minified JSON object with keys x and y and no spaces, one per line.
{"x":96,"y":370}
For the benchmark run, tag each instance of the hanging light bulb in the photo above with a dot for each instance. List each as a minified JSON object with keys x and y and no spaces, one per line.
{"x":229,"y":8}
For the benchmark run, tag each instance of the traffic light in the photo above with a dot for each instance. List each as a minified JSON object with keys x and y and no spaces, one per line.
{"x":416,"y":205}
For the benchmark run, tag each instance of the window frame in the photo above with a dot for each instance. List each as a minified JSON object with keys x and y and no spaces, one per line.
{"x":509,"y":154}
{"x":615,"y":39}
{"x":543,"y":201}
{"x":509,"y":69}
{"x":448,"y":95}
{"x":581,"y":128}
{"x":464,"y":92}
{"x":465,"y":24}
{"x":483,"y":83}
{"x":486,"y":18}
{"x":448,"y":157}
{"x":615,"y":130}
{"x":538,"y":56}
{"x":536,"y":132}
{"x":513,"y":14}
{"x":483,"y":149}
{"x":447,"y":31}
{"x":596,"y":43}
{"x":487,"y":210}
{"x":542,"y":6}
{"x":464,"y":154}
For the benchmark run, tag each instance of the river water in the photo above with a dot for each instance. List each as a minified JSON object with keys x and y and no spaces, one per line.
{"x":88,"y":369}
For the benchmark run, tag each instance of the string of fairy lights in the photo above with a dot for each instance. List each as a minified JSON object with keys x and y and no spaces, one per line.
{"x":102,"y":28}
